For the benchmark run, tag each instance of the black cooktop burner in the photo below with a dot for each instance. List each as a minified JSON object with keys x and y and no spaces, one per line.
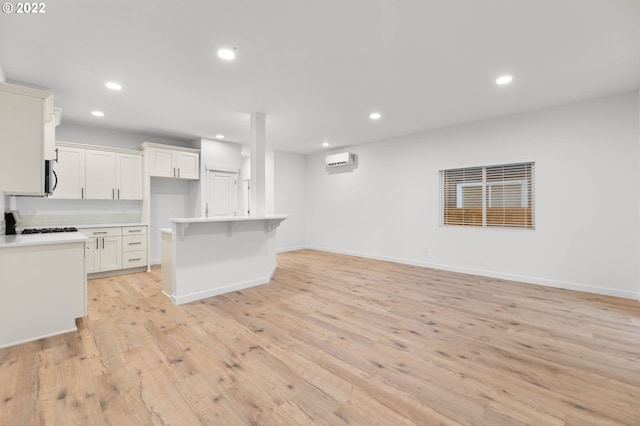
{"x":48,"y":230}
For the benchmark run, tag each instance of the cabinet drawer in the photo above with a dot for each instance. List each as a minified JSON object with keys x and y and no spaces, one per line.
{"x":101,"y":232}
{"x":134,"y":243}
{"x":134,"y":230}
{"x":133,"y":259}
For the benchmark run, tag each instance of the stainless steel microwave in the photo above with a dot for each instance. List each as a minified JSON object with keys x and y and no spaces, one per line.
{"x":50,"y":178}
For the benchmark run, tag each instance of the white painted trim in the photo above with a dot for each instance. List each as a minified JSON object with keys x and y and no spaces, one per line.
{"x":98,"y":148}
{"x":491,"y":274}
{"x":474,"y":166}
{"x":221,"y":168}
{"x":145,"y":145}
{"x":32,"y":339}
{"x":295,"y":248}
{"x":116,"y":272}
{"x":222,"y":290}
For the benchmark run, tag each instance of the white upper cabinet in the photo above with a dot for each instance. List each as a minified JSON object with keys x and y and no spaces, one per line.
{"x":70,"y":170}
{"x":187,"y":165}
{"x":161,"y":162}
{"x":172,"y":162}
{"x":98,"y":174}
{"x":129,"y":176}
{"x":27,"y":133}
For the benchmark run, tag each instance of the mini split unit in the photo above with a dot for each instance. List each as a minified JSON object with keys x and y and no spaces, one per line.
{"x":342,"y":159}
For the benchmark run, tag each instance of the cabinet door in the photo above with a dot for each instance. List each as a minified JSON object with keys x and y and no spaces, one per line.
{"x":21,"y":138}
{"x":92,"y":255}
{"x":129,"y":177}
{"x":161,"y":163}
{"x":70,"y":172}
{"x":111,"y":255}
{"x":100,"y":175}
{"x":187,"y":165}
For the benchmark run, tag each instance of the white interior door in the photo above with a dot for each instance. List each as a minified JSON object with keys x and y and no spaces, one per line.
{"x":222,"y":193}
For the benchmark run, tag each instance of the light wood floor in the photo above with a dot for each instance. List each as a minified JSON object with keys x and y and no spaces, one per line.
{"x":334,"y":340}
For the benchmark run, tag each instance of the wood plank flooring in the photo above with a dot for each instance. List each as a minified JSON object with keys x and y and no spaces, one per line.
{"x":334,"y":340}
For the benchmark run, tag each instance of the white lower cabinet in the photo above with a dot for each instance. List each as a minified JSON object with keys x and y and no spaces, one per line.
{"x":103,"y":251}
{"x":112,"y":249}
{"x":134,"y":247}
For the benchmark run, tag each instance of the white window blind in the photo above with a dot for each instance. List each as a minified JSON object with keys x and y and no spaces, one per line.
{"x":492,"y":196}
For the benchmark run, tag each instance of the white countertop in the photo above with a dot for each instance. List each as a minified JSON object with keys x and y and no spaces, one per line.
{"x":21,"y":240}
{"x":110,"y":225}
{"x":229,"y":218}
{"x":84,"y":226}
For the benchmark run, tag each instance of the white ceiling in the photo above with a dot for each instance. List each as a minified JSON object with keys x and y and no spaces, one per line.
{"x":318,"y":68}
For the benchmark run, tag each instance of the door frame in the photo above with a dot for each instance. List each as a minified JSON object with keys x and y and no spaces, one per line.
{"x":208,"y":168}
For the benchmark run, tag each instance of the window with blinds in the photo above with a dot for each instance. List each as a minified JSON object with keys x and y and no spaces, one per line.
{"x":493,"y":196}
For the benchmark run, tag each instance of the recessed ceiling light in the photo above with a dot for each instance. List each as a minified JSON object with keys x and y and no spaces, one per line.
{"x":504,"y":79}
{"x":227,"y":54}
{"x":375,"y":116}
{"x":219,"y":136}
{"x":113,"y":85}
{"x":325,"y":144}
{"x":97,"y":113}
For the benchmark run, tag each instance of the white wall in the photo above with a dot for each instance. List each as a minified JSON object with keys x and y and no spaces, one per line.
{"x":4,"y":202}
{"x":289,"y":197}
{"x":269,"y":182}
{"x":587,"y":198}
{"x":169,"y":199}
{"x":101,"y":136}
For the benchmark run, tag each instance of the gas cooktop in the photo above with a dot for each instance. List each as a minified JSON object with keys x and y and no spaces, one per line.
{"x":48,"y":230}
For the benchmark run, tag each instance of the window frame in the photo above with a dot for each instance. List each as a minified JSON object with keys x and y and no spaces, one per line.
{"x":527,"y":195}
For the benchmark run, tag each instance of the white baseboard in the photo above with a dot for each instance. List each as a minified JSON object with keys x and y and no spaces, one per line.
{"x":222,"y":290}
{"x":492,"y":274}
{"x":286,"y":249}
{"x":116,"y":272}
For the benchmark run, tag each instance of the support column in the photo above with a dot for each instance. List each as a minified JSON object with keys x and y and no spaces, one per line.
{"x":258,"y":170}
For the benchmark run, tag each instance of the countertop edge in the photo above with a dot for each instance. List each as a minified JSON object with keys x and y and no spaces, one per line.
{"x":228,"y":219}
{"x":19,"y":240}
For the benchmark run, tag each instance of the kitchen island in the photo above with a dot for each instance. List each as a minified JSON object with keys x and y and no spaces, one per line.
{"x":43,"y":285}
{"x":204,"y":257}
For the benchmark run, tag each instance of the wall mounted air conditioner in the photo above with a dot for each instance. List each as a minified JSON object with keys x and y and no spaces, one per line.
{"x":341,"y":159}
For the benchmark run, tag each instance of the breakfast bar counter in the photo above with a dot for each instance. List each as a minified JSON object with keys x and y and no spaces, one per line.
{"x":204,"y":257}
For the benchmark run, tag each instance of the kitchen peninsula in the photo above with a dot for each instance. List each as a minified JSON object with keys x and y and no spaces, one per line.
{"x":204,"y":257}
{"x":43,"y":285}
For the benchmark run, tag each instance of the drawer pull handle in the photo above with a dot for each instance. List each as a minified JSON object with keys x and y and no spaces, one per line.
{"x":96,"y":233}
{"x":134,"y":230}
{"x":134,"y":260}
{"x":134,"y":244}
